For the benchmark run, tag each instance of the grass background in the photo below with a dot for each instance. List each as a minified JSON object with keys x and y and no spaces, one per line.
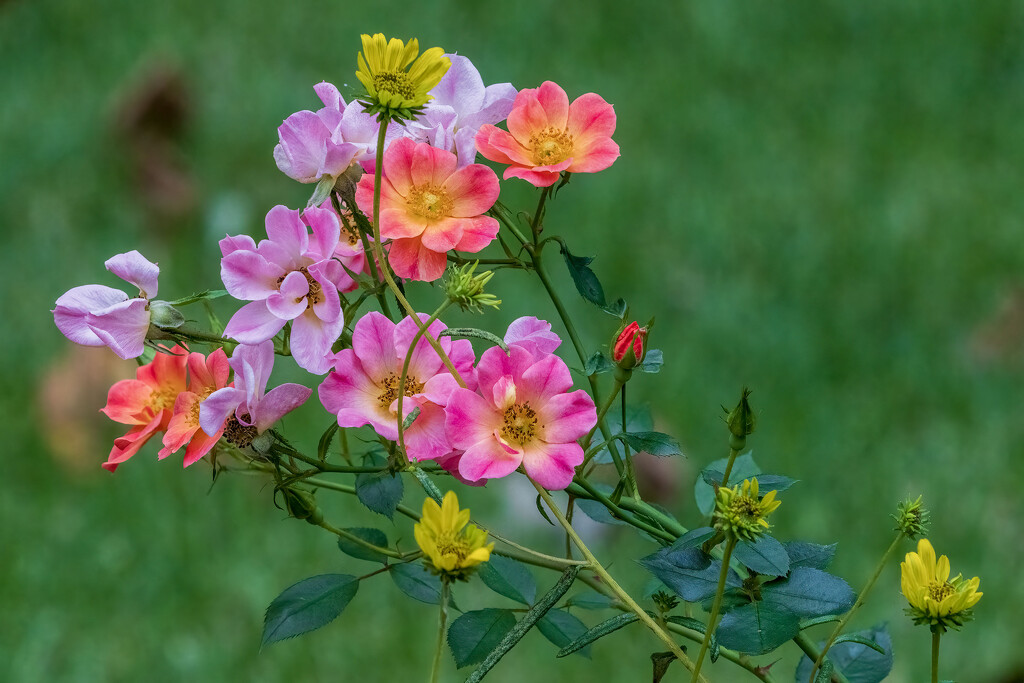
{"x":821,"y":200}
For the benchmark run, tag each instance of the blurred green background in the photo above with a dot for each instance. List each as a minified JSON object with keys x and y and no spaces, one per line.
{"x":820,"y":200}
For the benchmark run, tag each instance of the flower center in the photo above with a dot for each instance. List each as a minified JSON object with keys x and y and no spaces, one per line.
{"x":448,"y":544}
{"x":162,"y":399}
{"x":938,"y":591}
{"x":551,"y":146}
{"x":237,"y":433}
{"x":429,"y":201}
{"x":389,"y":387}
{"x":520,"y":424}
{"x":316,"y":292}
{"x":395,"y":82}
{"x":193,"y":413}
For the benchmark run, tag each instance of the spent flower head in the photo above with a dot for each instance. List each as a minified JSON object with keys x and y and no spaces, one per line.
{"x":934,"y":598}
{"x":740,"y":514}
{"x":397,"y":81}
{"x":452,"y":546}
{"x":911,"y":518}
{"x":466,"y":289}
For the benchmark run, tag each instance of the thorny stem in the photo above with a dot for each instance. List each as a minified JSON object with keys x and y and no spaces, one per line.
{"x":860,"y":601}
{"x":715,"y":607}
{"x":621,"y":594}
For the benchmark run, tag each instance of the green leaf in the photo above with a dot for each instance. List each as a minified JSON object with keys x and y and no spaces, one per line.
{"x":590,"y":600}
{"x":743,"y":468}
{"x":380,"y":491}
{"x":652,"y":362}
{"x":374,"y":536}
{"x":474,"y":332}
{"x":855,"y":659}
{"x":416,"y":582}
{"x":693,"y":538}
{"x":199,"y":296}
{"x":803,"y":554}
{"x":584,"y":278}
{"x":325,"y":441}
{"x":322,"y":191}
{"x":308,"y":605}
{"x":765,"y":482}
{"x":765,"y":556}
{"x":410,"y":418}
{"x":597,"y":364}
{"x":428,"y":485}
{"x":510,"y":578}
{"x":689,"y":572}
{"x":809,"y":592}
{"x":617,"y":308}
{"x":757,"y":628}
{"x":638,"y":419}
{"x":474,"y":634}
{"x":654,"y":443}
{"x":599,"y":631}
{"x":562,"y":628}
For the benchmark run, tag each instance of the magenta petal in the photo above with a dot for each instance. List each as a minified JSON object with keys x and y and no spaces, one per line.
{"x":552,"y":465}
{"x":277,"y":402}
{"x":424,"y":362}
{"x":72,"y":307}
{"x":470,"y":419}
{"x":349,"y":394}
{"x":477,"y":233}
{"x":439,"y":388}
{"x":311,"y":342}
{"x":122,"y":327}
{"x":253,"y":364}
{"x":567,"y":417}
{"x":133,"y":267}
{"x":290,"y":302}
{"x":426,"y":439}
{"x":218,"y":407}
{"x":328,"y":308}
{"x":233,"y":243}
{"x":253,"y":323}
{"x":495,"y":364}
{"x":249,"y":276}
{"x":302,"y":147}
{"x":329,"y":95}
{"x":533,"y":334}
{"x":488,"y":460}
{"x":413,"y":261}
{"x":326,"y":232}
{"x":535,"y":178}
{"x":545,"y":378}
{"x":474,"y":190}
{"x":374,"y":346}
{"x":287,"y":231}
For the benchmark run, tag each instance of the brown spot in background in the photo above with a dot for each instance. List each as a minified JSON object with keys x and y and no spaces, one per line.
{"x":999,"y":340}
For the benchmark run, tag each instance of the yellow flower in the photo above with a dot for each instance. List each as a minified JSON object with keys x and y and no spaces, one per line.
{"x":740,"y":513}
{"x":453,"y":549}
{"x":934,"y":598}
{"x":384,"y":71}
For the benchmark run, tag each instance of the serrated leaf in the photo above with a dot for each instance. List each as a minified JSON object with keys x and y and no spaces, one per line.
{"x":416,"y":582}
{"x":599,"y":631}
{"x":584,"y":278}
{"x":652,"y":362}
{"x":764,"y":556}
{"x":562,"y":628}
{"x":474,"y":634}
{"x":689,"y":572}
{"x":803,"y":554}
{"x":857,"y":661}
{"x":380,"y":491}
{"x":638,"y":419}
{"x":744,"y":467}
{"x":597,"y":364}
{"x":590,"y":600}
{"x":308,"y":605}
{"x":863,"y":640}
{"x":510,"y":578}
{"x":693,"y":538}
{"x":617,"y":308}
{"x":809,"y":592}
{"x":476,"y":333}
{"x":359,"y":551}
{"x":325,"y":441}
{"x":757,"y":628}
{"x":654,"y":443}
{"x":765,"y":482}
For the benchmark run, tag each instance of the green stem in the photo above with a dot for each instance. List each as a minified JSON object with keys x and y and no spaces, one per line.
{"x":715,"y":607}
{"x":935,"y":656}
{"x":535,"y":224}
{"x":630,"y":469}
{"x":371,"y":261}
{"x":736,"y":446}
{"x":442,"y":622}
{"x":613,"y":584}
{"x":860,"y":601}
{"x":405,"y":371}
{"x":582,"y":485}
{"x":731,"y":655}
{"x":366,"y":544}
{"x":812,"y":652}
{"x":602,"y":411}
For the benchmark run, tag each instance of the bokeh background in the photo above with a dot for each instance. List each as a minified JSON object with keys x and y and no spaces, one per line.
{"x":821,"y":200}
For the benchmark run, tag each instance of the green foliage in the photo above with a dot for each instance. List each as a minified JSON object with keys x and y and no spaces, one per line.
{"x":475,"y":634}
{"x":638,"y":419}
{"x":418,"y":583}
{"x":308,"y":605}
{"x":562,"y":629}
{"x":654,"y":443}
{"x":510,"y":578}
{"x":743,"y":468}
{"x":765,"y":556}
{"x":857,"y":658}
{"x":359,"y":551}
{"x":803,"y":554}
{"x":597,"y":632}
{"x":379,"y":491}
{"x":809,"y":592}
{"x":583,"y":277}
{"x":757,"y":628}
{"x":689,"y":572}
{"x":590,"y":599}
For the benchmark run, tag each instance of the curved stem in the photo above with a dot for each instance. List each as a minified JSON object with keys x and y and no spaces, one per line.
{"x":442,"y":622}
{"x":860,"y":601}
{"x":602,"y":411}
{"x":621,"y":594}
{"x":560,"y":562}
{"x":341,"y":533}
{"x":405,"y":371}
{"x":715,"y":607}
{"x":936,"y":635}
{"x":582,"y":485}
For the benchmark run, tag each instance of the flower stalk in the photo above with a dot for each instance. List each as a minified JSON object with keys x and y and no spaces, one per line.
{"x":435,"y":670}
{"x":716,"y":606}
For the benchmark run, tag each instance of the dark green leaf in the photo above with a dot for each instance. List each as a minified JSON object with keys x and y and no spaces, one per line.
{"x":543,"y":512}
{"x":584,"y":278}
{"x":599,"y":631}
{"x":597,"y":364}
{"x":757,"y":628}
{"x":689,"y":572}
{"x":859,"y":662}
{"x":590,"y":600}
{"x":325,"y":441}
{"x":638,"y":419}
{"x":308,"y":605}
{"x":357,"y":550}
{"x":693,"y":538}
{"x":689,"y":622}
{"x":765,"y":556}
{"x":474,"y":634}
{"x":743,"y":468}
{"x":863,"y":640}
{"x":654,"y":443}
{"x":562,"y":628}
{"x":597,"y":511}
{"x":809,"y":592}
{"x":765,"y":482}
{"x":652,"y":361}
{"x":416,"y":582}
{"x":380,"y":491}
{"x":803,"y":554}
{"x":510,"y":578}
{"x":618,"y":308}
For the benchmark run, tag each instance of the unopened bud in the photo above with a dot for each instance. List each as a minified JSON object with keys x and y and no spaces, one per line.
{"x":741,"y":419}
{"x":302,"y":505}
{"x":466,"y":289}
{"x":165,"y":316}
{"x":911,"y":518}
{"x":630,"y":346}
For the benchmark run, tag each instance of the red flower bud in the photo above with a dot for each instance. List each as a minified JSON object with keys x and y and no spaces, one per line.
{"x":631,"y":338}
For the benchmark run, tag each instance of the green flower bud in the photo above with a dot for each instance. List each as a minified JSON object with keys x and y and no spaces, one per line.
{"x":741,"y":419}
{"x":302,"y":505}
{"x":911,"y":518}
{"x":466,"y":289}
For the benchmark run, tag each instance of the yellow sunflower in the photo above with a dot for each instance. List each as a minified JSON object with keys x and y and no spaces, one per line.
{"x":453,"y":546}
{"x":934,"y":598}
{"x":740,"y":513}
{"x":384,"y":70}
